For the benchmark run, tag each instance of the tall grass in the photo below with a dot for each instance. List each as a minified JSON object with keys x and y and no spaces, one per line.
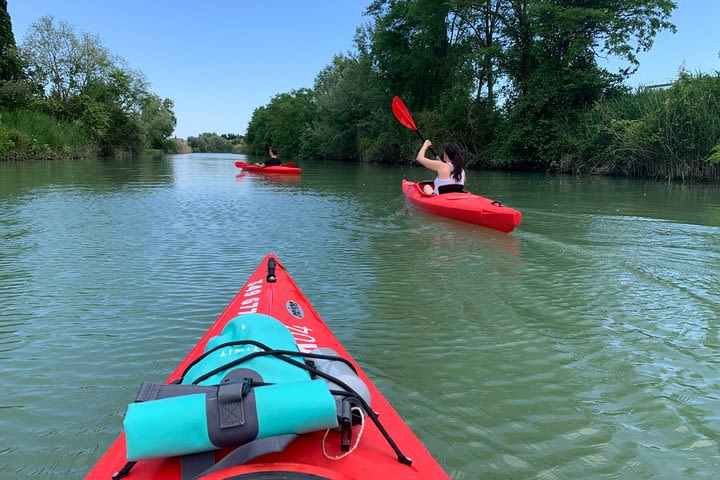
{"x":34,"y":135}
{"x":673,"y":133}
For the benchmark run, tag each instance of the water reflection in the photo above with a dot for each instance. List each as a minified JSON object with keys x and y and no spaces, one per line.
{"x":92,"y":175}
{"x":282,"y":180}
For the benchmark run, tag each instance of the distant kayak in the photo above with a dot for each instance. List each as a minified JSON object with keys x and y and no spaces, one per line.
{"x":287,"y":168}
{"x":270,"y":371}
{"x":463,"y":206}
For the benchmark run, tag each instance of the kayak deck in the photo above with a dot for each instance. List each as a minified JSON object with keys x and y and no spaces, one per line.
{"x":373,"y":458}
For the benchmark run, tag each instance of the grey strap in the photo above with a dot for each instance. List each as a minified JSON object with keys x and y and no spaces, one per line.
{"x":194,"y":465}
{"x":230,"y":404}
{"x":244,"y":454}
{"x":154,"y":391}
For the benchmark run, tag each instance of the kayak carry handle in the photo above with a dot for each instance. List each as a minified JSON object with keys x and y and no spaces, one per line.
{"x":272,"y":263}
{"x":123,"y":472}
{"x":496,"y":202}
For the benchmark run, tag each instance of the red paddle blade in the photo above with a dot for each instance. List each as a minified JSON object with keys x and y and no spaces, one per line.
{"x":241,"y":164}
{"x":402,"y":114}
{"x":289,"y":164}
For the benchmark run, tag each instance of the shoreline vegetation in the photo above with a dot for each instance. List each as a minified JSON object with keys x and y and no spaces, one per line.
{"x":63,"y":94}
{"x":517,"y":83}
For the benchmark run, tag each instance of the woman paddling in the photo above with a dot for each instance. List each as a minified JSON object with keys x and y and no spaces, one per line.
{"x":450,"y":170}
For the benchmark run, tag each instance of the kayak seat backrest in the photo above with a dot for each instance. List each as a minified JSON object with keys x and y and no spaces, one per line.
{"x":455,"y":188}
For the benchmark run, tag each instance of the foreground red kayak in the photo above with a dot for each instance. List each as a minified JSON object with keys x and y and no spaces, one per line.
{"x":287,"y":168}
{"x":463,"y":206}
{"x":377,"y":445}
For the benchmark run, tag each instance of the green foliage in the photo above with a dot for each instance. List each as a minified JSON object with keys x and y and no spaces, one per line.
{"x":63,"y":62}
{"x":10,"y":65}
{"x":75,"y":78}
{"x":15,"y":93}
{"x":348,"y":94}
{"x":211,"y":143}
{"x":673,"y":133}
{"x":27,"y":134}
{"x":157,"y":119}
{"x":281,"y":124}
{"x":715,"y":155}
{"x":516,"y":82}
{"x":412,"y":49}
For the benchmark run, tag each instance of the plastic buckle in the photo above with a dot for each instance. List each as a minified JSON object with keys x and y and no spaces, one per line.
{"x":345,"y":434}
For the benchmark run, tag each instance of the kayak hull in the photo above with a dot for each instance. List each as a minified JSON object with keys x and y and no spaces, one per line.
{"x":373,"y":458}
{"x":463,"y":206}
{"x":279,"y":169}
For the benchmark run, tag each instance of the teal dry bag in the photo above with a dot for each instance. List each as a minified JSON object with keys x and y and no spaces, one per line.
{"x":227,"y":400}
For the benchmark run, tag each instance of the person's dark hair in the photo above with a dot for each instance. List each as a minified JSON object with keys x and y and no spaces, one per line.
{"x":453,"y":152}
{"x":273,"y":151}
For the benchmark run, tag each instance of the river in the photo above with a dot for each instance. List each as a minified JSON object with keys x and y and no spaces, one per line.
{"x":583,"y":345}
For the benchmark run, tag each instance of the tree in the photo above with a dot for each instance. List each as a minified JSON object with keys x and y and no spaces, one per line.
{"x":82,"y":81}
{"x":64,"y":63}
{"x":10,"y":66}
{"x":210,"y":142}
{"x":551,"y":61}
{"x":15,"y":91}
{"x":411,"y":48}
{"x":157,"y":119}
{"x":108,"y":116}
{"x":347,"y":92}
{"x":281,"y":123}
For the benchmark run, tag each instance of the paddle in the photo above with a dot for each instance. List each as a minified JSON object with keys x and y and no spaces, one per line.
{"x":403,"y":115}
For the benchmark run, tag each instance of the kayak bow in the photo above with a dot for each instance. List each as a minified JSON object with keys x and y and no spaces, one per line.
{"x":463,"y":206}
{"x":378,"y":451}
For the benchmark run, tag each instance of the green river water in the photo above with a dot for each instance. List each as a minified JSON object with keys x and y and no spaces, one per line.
{"x":586,"y":344}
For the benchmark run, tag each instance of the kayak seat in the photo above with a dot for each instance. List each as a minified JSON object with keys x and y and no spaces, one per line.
{"x":451,"y":189}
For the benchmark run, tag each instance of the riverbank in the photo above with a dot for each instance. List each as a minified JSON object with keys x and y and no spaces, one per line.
{"x":28,"y":135}
{"x":671,"y":133}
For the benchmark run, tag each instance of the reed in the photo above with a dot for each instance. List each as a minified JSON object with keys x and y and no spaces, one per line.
{"x":28,"y":134}
{"x":671,"y":133}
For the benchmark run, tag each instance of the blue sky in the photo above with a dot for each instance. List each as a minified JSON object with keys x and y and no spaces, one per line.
{"x":220,"y":59}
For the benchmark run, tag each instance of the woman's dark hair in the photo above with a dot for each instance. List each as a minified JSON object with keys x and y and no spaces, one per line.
{"x":453,"y":152}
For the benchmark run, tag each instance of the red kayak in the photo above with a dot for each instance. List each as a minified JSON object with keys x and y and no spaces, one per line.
{"x":286,"y":168}
{"x":463,"y":206}
{"x":383,"y":448}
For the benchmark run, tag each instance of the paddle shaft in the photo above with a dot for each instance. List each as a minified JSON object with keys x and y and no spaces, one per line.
{"x":431,"y":149}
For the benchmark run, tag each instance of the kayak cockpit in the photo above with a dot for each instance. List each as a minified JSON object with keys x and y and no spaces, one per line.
{"x":443,"y":189}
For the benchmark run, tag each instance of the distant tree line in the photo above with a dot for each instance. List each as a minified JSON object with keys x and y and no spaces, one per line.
{"x":214,"y":143}
{"x":518,"y":83}
{"x":63,"y":93}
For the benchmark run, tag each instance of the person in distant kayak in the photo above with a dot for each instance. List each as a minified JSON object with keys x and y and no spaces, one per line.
{"x":272,"y":159}
{"x":450,"y":170}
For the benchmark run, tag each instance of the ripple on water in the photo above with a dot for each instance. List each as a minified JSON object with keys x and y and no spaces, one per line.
{"x":584,"y":345}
